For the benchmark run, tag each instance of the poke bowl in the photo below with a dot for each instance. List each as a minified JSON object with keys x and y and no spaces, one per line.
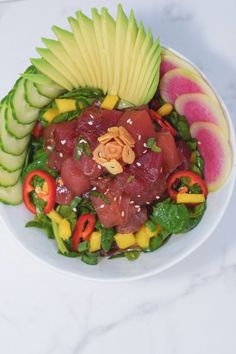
{"x":127,"y":174}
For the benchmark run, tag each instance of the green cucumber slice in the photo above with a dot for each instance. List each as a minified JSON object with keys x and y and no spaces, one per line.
{"x":14,"y":128}
{"x":10,"y":144}
{"x":9,"y":178}
{"x":49,"y":91}
{"x":10,"y":162}
{"x":22,"y":111}
{"x":33,"y":97}
{"x":11,"y":195}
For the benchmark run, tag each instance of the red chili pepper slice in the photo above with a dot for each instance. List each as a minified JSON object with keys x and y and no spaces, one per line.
{"x":37,"y":131}
{"x":193,"y":177}
{"x":49,"y":195}
{"x":162,"y":122}
{"x":83,"y":229}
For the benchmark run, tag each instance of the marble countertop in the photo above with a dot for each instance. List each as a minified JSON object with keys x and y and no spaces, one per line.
{"x":187,"y":309}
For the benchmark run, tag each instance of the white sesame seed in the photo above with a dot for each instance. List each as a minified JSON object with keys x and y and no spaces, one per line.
{"x":90,"y":123}
{"x":61,"y":154}
{"x":137,"y":206}
{"x":93,"y":158}
{"x":100,"y":167}
{"x":199,"y":142}
{"x":91,"y":116}
{"x":49,"y":148}
{"x":139,"y":137}
{"x":147,"y":203}
{"x":131,"y":202}
{"x":82,"y":141}
{"x":114,"y":199}
{"x":157,"y":197}
{"x":74,"y":209}
{"x":63,"y":142}
{"x":130,"y":122}
{"x":144,"y":151}
{"x":138,"y":195}
{"x":145,"y":145}
{"x":102,"y":206}
{"x":161,"y":169}
{"x":94,"y":188}
{"x":139,"y":210}
{"x":122,"y":213}
{"x":107,"y":191}
{"x":138,"y":164}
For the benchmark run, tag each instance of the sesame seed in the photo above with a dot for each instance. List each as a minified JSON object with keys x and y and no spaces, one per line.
{"x":107,"y":191}
{"x":49,"y":148}
{"x":139,"y":209}
{"x":94,"y":188}
{"x":82,"y":141}
{"x":63,"y":142}
{"x":139,"y":137}
{"x":137,"y":206}
{"x":138,"y":195}
{"x":131,"y":202}
{"x":145,"y":145}
{"x":199,"y":142}
{"x":144,"y":151}
{"x":61,"y":154}
{"x":91,"y":116}
{"x":114,"y":199}
{"x":90,"y":123}
{"x":74,"y":209}
{"x":122,"y":213}
{"x":100,"y":167}
{"x":138,"y":164}
{"x":102,"y":206}
{"x":147,"y":203}
{"x":161,"y":169}
{"x":157,"y":197}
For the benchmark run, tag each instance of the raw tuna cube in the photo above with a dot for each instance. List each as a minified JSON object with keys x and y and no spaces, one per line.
{"x":73,"y":177}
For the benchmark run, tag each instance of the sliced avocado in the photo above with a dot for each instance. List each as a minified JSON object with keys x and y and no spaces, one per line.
{"x":69,"y":43}
{"x":81,"y":44}
{"x":87,"y":31}
{"x":47,"y":69}
{"x":58,"y":65}
{"x":141,"y":36}
{"x":140,"y":59}
{"x":120,"y":35}
{"x":131,"y":35}
{"x":97,"y":23}
{"x":108,"y":35}
{"x":149,"y":72}
{"x":58,"y":50}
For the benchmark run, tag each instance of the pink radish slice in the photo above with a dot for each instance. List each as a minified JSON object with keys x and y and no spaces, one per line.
{"x":177,"y":82}
{"x":198,"y":107}
{"x":215,"y":151}
{"x":171,"y":61}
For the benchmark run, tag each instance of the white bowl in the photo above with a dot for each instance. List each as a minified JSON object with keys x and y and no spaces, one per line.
{"x":176,"y":249}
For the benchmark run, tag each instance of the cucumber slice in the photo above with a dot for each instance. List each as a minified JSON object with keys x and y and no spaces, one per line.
{"x":49,"y":91}
{"x":9,"y":178}
{"x":22,"y":111}
{"x":10,"y":162}
{"x":33,"y":97}
{"x":10,"y":144}
{"x":14,"y":128}
{"x":11,"y":195}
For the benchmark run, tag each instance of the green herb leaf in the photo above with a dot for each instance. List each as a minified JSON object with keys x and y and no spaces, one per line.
{"x":82,"y":146}
{"x":151,"y":144}
{"x":75,"y":202}
{"x":43,"y":224}
{"x":83,"y":246}
{"x":101,"y":196}
{"x":107,"y":236}
{"x":132,"y":255}
{"x":67,"y":213}
{"x":174,"y":218}
{"x":90,"y":258}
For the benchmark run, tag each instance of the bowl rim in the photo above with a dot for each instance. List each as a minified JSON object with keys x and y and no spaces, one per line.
{"x":183,"y":254}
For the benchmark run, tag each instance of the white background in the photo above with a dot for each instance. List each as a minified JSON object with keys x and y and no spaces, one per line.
{"x":187,"y":309}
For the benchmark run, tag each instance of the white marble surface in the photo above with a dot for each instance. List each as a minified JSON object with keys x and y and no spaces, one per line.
{"x":187,"y":309}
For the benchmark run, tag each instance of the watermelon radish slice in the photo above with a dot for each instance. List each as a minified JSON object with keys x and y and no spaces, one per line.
{"x":171,"y":61}
{"x":176,"y":82}
{"x":216,"y":153}
{"x":198,"y":107}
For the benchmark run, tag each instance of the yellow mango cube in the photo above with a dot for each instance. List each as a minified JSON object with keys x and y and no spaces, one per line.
{"x":190,"y":198}
{"x":51,"y":114}
{"x":152,"y":233}
{"x":142,"y":237}
{"x":55,"y":216}
{"x":95,"y":241}
{"x":64,"y":229}
{"x":125,"y":240}
{"x":110,"y":102}
{"x":65,"y":105}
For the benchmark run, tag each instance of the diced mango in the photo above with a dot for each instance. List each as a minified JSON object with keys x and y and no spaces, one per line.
{"x":190,"y":198}
{"x":110,"y":102}
{"x":95,"y":241}
{"x":64,"y":229}
{"x":65,"y":105}
{"x":55,"y":216}
{"x":142,"y":237}
{"x":51,"y":114}
{"x":144,"y":234}
{"x":125,"y":240}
